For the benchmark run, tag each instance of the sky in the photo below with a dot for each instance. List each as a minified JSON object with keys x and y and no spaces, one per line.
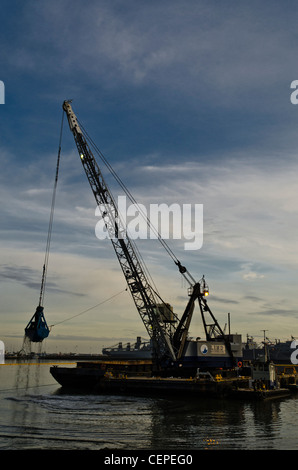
{"x":190,"y":102}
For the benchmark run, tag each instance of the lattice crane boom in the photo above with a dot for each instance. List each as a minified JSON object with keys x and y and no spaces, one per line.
{"x":168,"y":336}
{"x":139,"y":286}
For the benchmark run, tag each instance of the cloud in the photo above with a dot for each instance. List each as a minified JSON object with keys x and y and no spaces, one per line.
{"x":252,"y":276}
{"x":192,"y":105}
{"x":278,"y":312}
{"x":222,"y":300}
{"x":218,"y":55}
{"x":155,"y":42}
{"x":31,"y":278}
{"x":253,"y":298}
{"x":246,"y":207}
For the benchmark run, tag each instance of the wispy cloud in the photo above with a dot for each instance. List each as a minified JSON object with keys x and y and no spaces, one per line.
{"x":190,"y":105}
{"x":157,"y":43}
{"x":31,"y":278}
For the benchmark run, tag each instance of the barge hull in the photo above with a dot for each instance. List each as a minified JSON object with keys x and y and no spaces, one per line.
{"x":76,"y":377}
{"x":168,"y":386}
{"x":94,"y":380}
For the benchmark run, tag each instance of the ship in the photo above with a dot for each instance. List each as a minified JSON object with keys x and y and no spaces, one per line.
{"x":141,"y":349}
{"x":279,"y":352}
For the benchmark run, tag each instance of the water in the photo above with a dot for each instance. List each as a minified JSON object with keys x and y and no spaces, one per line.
{"x":36,"y":414}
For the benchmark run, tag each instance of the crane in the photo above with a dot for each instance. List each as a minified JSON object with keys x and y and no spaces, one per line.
{"x":167,"y":332}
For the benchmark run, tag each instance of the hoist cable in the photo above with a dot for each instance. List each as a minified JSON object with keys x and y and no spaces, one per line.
{"x":47,"y":252}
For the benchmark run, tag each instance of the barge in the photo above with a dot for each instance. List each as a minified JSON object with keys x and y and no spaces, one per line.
{"x":89,"y":375}
{"x":136,"y":377}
